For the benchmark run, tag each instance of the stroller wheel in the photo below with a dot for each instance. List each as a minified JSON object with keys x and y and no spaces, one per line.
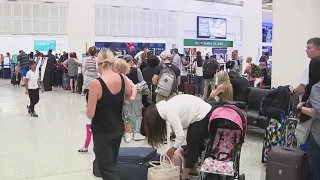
{"x":242,"y":177}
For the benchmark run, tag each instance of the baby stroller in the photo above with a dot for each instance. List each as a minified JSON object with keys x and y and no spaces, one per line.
{"x":221,"y":158}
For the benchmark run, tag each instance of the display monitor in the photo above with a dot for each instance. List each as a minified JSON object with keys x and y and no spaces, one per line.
{"x":267,"y":32}
{"x":209,"y":27}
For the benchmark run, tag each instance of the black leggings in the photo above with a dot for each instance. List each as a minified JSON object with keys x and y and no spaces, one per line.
{"x":106,"y":149}
{"x":197,"y":133}
{"x":34,"y":98}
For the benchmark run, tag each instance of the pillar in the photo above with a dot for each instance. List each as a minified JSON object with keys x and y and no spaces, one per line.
{"x":252,"y":30}
{"x":294,"y":22}
{"x":81,"y":28}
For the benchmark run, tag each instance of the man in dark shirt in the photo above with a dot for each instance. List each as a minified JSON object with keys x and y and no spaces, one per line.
{"x":51,"y":64}
{"x":23,"y":62}
{"x":264,"y":58}
{"x":265,"y":75}
{"x":239,"y":85}
{"x":166,"y":60}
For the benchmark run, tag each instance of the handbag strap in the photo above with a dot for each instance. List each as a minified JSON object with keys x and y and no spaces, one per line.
{"x":153,"y":163}
{"x":164,"y":157}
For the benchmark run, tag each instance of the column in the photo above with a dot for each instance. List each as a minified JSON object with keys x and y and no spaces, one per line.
{"x":252,"y":30}
{"x":81,"y":25}
{"x":294,"y":23}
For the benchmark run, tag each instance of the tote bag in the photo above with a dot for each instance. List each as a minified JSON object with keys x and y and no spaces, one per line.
{"x":303,"y":130}
{"x":163,"y":171}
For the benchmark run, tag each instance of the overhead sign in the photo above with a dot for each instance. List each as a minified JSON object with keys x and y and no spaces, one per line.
{"x":209,"y":43}
{"x":125,"y":46}
{"x":45,"y":45}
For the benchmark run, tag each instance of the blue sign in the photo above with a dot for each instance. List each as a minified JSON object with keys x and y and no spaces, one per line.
{"x":45,"y":45}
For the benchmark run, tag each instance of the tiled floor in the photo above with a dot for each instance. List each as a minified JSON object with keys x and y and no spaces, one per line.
{"x":45,"y":148}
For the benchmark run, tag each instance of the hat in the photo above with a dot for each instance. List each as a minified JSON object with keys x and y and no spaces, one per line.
{"x":165,"y":55}
{"x":128,"y":57}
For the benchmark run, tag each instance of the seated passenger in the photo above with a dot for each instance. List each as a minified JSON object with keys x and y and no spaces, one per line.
{"x":182,"y":112}
{"x":239,"y":86}
{"x":266,"y":75}
{"x":224,"y":91}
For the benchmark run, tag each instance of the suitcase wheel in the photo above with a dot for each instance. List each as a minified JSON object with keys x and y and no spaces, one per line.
{"x":242,"y":177}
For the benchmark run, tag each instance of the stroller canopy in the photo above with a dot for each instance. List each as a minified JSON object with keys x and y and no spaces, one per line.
{"x":228,"y":112}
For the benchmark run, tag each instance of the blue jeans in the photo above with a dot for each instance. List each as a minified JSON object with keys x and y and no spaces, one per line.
{"x":313,"y":150}
{"x":304,"y":147}
{"x":198,"y":80}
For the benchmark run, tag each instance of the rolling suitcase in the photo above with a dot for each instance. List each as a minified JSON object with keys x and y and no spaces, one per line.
{"x":65,"y":82}
{"x":287,"y":163}
{"x":80,"y":83}
{"x":132,"y":162}
{"x":189,"y":85}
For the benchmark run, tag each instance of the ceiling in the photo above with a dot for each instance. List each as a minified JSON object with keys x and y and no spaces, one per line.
{"x":267,"y":4}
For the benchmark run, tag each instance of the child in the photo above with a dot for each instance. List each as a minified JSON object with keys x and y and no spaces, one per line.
{"x":32,"y":88}
{"x":121,"y":67}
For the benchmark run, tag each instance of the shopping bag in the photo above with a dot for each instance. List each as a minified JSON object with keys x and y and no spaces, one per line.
{"x":163,"y":170}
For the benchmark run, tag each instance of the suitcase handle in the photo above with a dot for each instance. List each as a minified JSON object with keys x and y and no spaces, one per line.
{"x":287,"y":149}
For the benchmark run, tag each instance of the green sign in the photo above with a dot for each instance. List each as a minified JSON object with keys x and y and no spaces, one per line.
{"x":14,"y":58}
{"x":210,"y":43}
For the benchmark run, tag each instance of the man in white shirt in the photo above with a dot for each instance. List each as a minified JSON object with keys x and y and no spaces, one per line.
{"x":184,"y":113}
{"x":313,"y":50}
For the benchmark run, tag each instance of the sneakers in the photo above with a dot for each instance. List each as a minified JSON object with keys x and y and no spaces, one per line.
{"x":29,"y":111}
{"x":83,"y":150}
{"x":127,"y":137}
{"x":138,"y":137}
{"x":34,"y":114}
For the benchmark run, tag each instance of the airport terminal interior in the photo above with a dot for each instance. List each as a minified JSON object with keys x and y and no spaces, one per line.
{"x":52,"y":52}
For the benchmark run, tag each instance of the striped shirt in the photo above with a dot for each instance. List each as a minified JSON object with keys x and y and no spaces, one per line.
{"x":23,"y":58}
{"x":91,"y":64}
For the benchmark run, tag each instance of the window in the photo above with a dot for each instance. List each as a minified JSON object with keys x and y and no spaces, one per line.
{"x":137,"y":22}
{"x":33,"y":18}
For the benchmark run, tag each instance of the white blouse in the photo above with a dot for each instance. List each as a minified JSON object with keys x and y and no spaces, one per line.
{"x":181,"y":111}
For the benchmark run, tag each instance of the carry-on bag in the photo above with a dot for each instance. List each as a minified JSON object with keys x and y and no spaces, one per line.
{"x":281,"y":132}
{"x":80,"y":83}
{"x":164,"y":170}
{"x":287,"y":164}
{"x":132,"y":162}
{"x":65,"y":82}
{"x":189,"y":85}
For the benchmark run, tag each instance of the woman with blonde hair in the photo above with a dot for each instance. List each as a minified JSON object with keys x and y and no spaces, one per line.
{"x":105,"y":102}
{"x":122,"y":67}
{"x":224,"y":91}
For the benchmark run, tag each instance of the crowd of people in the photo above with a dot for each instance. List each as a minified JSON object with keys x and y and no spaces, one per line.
{"x":122,"y":89}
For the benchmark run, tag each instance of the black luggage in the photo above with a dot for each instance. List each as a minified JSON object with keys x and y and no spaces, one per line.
{"x":16,"y":79}
{"x":287,"y":164}
{"x":80,"y":83}
{"x":133,"y":163}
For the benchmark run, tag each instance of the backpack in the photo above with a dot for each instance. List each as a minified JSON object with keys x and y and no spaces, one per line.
{"x":210,"y":67}
{"x":255,"y":71}
{"x":276,"y":102}
{"x":230,"y":64}
{"x":167,"y":81}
